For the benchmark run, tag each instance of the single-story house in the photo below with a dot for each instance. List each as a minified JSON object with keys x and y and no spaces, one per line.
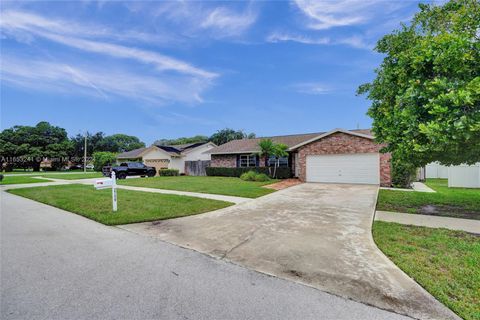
{"x":169,"y":157}
{"x":337,"y":156}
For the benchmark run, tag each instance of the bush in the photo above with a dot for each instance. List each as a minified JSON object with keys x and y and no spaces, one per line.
{"x":261,"y":177}
{"x":102,"y":159}
{"x":403,"y":174}
{"x":282,"y":172}
{"x":168,"y":172}
{"x":248,"y":176}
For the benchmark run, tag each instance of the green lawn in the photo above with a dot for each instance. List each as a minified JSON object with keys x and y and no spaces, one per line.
{"x":133,"y":206}
{"x":216,"y":185}
{"x":453,"y":202}
{"x":444,"y":262}
{"x":30,"y":171}
{"x":30,"y":178}
{"x":73,"y":176}
{"x":20,"y":179}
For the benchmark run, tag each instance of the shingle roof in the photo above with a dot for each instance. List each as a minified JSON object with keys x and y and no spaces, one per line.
{"x":251,"y":145}
{"x":131,"y":154}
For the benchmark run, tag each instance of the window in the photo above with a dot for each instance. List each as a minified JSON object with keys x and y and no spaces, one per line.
{"x":248,"y":160}
{"x":282,"y":162}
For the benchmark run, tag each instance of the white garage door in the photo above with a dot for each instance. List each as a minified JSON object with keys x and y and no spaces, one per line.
{"x":344,"y":168}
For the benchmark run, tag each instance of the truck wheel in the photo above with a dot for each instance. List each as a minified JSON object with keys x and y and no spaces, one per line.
{"x":122,"y":175}
{"x":151,"y":174}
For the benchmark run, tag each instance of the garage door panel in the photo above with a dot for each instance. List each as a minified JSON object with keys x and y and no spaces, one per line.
{"x":344,"y":168}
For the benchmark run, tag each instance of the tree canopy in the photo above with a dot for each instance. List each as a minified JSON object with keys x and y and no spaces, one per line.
{"x":426,"y":94}
{"x":183,"y":140}
{"x":119,"y":143}
{"x":27,"y":146}
{"x":227,"y":134}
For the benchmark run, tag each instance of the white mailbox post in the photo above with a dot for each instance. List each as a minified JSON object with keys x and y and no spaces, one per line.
{"x":109,"y":183}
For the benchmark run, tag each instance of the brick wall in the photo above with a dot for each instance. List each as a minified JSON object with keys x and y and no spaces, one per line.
{"x":224,"y":160}
{"x":344,"y":143}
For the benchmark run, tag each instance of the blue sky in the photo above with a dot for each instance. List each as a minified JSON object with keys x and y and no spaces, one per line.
{"x":170,"y":69}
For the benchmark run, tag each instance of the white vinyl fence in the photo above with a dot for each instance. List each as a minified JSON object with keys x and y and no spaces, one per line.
{"x":436,"y":170}
{"x":464,"y":176}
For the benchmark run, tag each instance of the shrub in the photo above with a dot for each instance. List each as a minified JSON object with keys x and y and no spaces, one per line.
{"x":168,"y":172}
{"x":102,"y":159}
{"x":261,"y":177}
{"x":282,"y":172}
{"x":403,"y":174}
{"x":248,"y":176}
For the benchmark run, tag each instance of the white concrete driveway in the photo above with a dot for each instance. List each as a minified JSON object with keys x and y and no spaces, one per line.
{"x":316,"y":234}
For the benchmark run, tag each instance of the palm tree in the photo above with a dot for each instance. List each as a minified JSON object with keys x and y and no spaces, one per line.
{"x":267,"y":148}
{"x":279,"y":151}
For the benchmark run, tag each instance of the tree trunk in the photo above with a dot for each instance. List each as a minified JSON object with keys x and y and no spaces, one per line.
{"x":36,"y":166}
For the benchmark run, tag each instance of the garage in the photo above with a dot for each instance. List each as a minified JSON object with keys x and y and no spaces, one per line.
{"x":343,"y":168}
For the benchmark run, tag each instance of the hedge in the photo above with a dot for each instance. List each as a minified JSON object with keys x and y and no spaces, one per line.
{"x":168,"y":172}
{"x":282,"y":172}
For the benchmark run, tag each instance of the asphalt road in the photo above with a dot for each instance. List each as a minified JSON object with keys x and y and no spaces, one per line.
{"x":58,"y":265}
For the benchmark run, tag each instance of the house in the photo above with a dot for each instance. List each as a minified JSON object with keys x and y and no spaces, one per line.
{"x":337,"y":156}
{"x":464,"y":176}
{"x":169,"y":157}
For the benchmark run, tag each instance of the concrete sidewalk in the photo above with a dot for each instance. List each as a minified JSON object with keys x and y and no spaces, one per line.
{"x":422,"y":220}
{"x":220,"y":197}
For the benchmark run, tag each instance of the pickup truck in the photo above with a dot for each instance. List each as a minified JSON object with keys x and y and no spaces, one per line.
{"x":129,"y":169}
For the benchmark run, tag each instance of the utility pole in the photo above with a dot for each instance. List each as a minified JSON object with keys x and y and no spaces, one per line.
{"x":85,"y":155}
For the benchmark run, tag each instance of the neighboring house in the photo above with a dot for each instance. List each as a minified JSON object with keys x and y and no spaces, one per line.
{"x":458,"y":176}
{"x":342,"y":156}
{"x":169,"y":157}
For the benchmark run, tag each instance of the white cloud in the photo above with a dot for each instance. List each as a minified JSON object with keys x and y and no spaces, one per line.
{"x":282,"y":37}
{"x":94,"y":80}
{"x":201,"y":19}
{"x":226,"y":22}
{"x":313,"y":88}
{"x":326,"y":14}
{"x":169,"y":79}
{"x":357,"y":41}
{"x":14,"y":23}
{"x":14,"y":20}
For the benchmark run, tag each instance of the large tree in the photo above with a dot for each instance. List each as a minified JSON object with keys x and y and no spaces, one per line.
{"x":119,"y":143}
{"x":26,"y":146}
{"x":183,"y":140}
{"x":227,"y":134}
{"x":93,"y":144}
{"x":426,"y":94}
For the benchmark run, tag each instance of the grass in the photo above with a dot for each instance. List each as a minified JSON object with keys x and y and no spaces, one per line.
{"x":31,"y":172}
{"x":20,"y":180}
{"x":216,"y":185}
{"x":31,"y":179}
{"x":453,"y":202}
{"x":133,"y":206}
{"x":73,"y":176}
{"x":444,"y":262}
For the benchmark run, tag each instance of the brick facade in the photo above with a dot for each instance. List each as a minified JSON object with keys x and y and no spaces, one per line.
{"x":338,"y":143}
{"x":224,"y":160}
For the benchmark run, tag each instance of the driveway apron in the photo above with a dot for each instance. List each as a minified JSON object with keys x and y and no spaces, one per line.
{"x":315,"y":234}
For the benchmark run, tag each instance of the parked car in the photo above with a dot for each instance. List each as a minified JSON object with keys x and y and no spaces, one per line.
{"x":89,"y":166}
{"x":129,"y":169}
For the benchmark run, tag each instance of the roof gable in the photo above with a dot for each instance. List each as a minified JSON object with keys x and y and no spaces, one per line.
{"x":357,"y":133}
{"x":292,"y":141}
